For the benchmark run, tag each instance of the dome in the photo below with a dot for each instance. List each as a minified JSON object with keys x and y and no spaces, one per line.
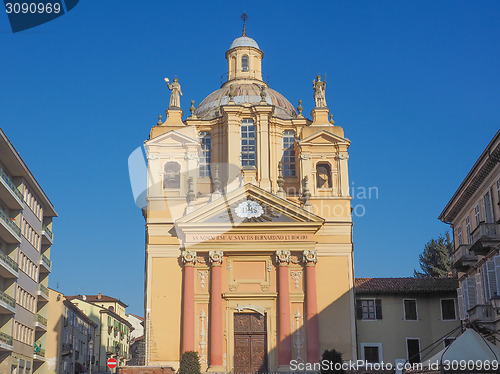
{"x":244,"y":41}
{"x":244,"y":93}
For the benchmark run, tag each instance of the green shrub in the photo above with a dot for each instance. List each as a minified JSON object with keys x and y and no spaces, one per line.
{"x":333,"y":357}
{"x":190,"y":363}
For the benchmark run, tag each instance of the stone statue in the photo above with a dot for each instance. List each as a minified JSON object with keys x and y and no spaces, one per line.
{"x":175,"y":96}
{"x":319,"y":92}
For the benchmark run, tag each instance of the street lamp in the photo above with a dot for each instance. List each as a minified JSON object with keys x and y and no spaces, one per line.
{"x":91,"y":351}
{"x":495,"y":302}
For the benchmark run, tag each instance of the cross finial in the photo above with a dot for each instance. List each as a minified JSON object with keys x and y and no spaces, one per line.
{"x":244,"y":17}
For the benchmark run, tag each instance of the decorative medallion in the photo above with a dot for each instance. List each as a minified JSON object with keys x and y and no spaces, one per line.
{"x":215,"y":257}
{"x":189,"y":257}
{"x":249,"y":209}
{"x":296,"y":275}
{"x":202,"y":276}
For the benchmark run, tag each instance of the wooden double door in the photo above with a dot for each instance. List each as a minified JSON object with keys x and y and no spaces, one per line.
{"x":250,"y":343}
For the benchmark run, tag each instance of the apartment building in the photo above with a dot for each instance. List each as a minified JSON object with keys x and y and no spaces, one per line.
{"x":70,"y":338}
{"x":397,"y":318}
{"x":26,"y":237}
{"x":113,"y":329}
{"x":474,"y":215}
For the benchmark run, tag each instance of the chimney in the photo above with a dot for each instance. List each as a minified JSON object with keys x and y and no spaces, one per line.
{"x":99,"y":296}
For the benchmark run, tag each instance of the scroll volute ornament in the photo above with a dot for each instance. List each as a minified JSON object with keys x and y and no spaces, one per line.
{"x":215,"y":257}
{"x":283,"y":256}
{"x":188,"y":257}
{"x":310,"y":256}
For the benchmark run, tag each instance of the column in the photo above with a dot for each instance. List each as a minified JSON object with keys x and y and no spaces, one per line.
{"x":284,"y":336}
{"x":189,"y":260}
{"x":312,"y":325}
{"x":215,"y":330}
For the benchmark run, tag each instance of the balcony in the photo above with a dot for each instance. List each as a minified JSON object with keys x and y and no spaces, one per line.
{"x":43,"y":292}
{"x":9,"y":231}
{"x":8,"y":267}
{"x":67,"y":349}
{"x":9,"y":193}
{"x":45,"y":264}
{"x":485,"y":237}
{"x":39,"y":354}
{"x":47,"y":236}
{"x":6,"y":342}
{"x":482,"y":314}
{"x":41,"y":323}
{"x":7,"y":304}
{"x":463,"y":259}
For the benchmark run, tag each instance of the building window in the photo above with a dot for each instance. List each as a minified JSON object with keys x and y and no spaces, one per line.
{"x":288,"y":154}
{"x":448,"y":309}
{"x":244,"y":63}
{"x":498,"y":191}
{"x":172,"y":176}
{"x":460,"y":236}
{"x":487,"y":208}
{"x":369,"y":309}
{"x":371,"y":352}
{"x":477,"y":216}
{"x":468,"y":229}
{"x":323,"y":175}
{"x":248,"y":144}
{"x":410,"y":307}
{"x":413,"y":349}
{"x":206,"y":153}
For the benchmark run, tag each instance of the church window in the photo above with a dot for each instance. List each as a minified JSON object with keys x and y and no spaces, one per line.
{"x":288,"y":154}
{"x":248,"y":144}
{"x":323,"y":175}
{"x":206,"y":153}
{"x":244,"y":63}
{"x":172,"y":175}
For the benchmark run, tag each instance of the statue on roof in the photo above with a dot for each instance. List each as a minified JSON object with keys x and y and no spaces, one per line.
{"x":175,"y":95}
{"x":319,"y":92}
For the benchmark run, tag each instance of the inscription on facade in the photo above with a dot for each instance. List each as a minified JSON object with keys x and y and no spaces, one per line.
{"x":249,"y":237}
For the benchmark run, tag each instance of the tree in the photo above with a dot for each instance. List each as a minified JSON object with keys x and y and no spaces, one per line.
{"x":436,"y":259}
{"x":190,"y":363}
{"x":332,"y":357}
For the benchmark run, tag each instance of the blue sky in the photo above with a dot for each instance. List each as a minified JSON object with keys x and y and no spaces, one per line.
{"x":414,"y":84}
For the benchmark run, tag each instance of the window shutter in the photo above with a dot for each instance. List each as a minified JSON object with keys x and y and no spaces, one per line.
{"x":359,"y":310}
{"x":460,"y":297}
{"x":479,"y":290}
{"x":471,"y":292}
{"x":378,"y":309}
{"x":496,"y":260}
{"x":492,"y":278}
{"x":486,"y":286}
{"x":466,"y":298}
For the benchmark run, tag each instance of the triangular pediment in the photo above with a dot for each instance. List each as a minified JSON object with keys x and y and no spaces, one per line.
{"x":249,"y":206}
{"x":173,"y":137}
{"x":324,"y":137}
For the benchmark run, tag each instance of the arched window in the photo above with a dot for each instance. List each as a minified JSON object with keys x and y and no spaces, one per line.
{"x":323,"y":175}
{"x":206,"y":153}
{"x":172,"y":175}
{"x":248,"y":148}
{"x":244,"y":63}
{"x":288,"y":160}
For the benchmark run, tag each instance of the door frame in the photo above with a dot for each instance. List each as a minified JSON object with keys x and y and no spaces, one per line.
{"x":266,"y":301}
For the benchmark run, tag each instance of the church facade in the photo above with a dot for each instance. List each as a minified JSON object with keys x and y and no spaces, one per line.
{"x":249,"y":255}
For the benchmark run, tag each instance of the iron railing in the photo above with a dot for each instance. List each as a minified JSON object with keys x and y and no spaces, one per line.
{"x":44,"y":290}
{"x":47,"y":231}
{"x":41,"y":319}
{"x":10,"y":223}
{"x":9,"y":262}
{"x":5,"y":338}
{"x":11,"y":185}
{"x":46,"y":261}
{"x":9,"y":300}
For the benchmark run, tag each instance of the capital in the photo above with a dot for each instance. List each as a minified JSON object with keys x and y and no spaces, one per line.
{"x":310,"y":256}
{"x":215,"y":257}
{"x":283,"y":256}
{"x":188,"y":257}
